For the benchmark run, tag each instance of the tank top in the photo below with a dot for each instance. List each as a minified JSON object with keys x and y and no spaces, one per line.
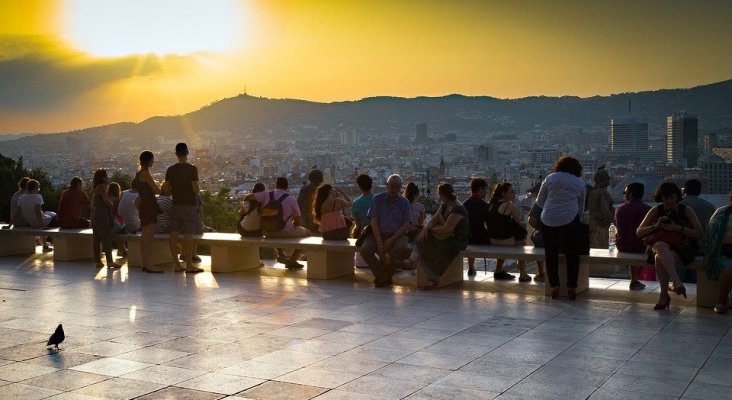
{"x":143,"y":189}
{"x":499,"y":225}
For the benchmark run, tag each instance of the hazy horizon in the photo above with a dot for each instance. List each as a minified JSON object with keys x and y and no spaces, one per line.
{"x":73,"y":64}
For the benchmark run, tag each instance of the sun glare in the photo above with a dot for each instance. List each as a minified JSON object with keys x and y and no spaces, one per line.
{"x":119,"y":28}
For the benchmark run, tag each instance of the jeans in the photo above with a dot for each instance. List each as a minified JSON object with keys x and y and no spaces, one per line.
{"x":383,"y":272}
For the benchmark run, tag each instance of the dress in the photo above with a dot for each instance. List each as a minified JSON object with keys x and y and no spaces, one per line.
{"x":688,"y":249}
{"x":719,"y":255}
{"x":148,"y":207}
{"x":435,"y":254}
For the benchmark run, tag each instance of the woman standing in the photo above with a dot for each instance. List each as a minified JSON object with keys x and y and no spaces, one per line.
{"x":562,"y":200}
{"x":440,"y":241}
{"x":328,"y":212}
{"x":148,"y":207}
{"x":669,"y":230}
{"x":501,"y":220}
{"x":102,"y":219}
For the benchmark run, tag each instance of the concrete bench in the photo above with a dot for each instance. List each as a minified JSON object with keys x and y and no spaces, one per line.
{"x":326,"y":259}
{"x":230,"y":252}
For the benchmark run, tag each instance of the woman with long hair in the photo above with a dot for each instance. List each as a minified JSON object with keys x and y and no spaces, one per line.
{"x":441,"y":240}
{"x":669,"y":231}
{"x":411,"y":193}
{"x":102,"y":219}
{"x":147,"y":205}
{"x":502,"y":217}
{"x":328,"y":205}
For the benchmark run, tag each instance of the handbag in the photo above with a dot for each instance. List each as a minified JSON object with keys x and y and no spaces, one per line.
{"x":672,"y":238}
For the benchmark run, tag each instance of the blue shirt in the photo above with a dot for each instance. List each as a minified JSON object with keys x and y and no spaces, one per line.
{"x":391,"y":215}
{"x":360,"y":208}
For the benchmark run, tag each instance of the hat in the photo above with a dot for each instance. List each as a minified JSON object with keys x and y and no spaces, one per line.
{"x":181,"y":149}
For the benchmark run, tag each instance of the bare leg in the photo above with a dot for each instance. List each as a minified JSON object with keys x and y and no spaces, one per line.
{"x":725,"y":285}
{"x":173,"y":244}
{"x":540,"y":267}
{"x":471,"y":262}
{"x":668,"y":260}
{"x":634,"y":272}
{"x":499,"y":265}
{"x":522,"y":268}
{"x":188,"y":250}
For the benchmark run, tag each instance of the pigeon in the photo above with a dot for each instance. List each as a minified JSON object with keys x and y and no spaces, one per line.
{"x":57,"y":337}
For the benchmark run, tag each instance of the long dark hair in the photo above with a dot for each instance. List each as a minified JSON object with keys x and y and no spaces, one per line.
{"x":99,"y":176}
{"x":321,"y":194}
{"x":411,"y":192}
{"x":498,"y":190}
{"x":253,"y":203}
{"x":114,"y":190}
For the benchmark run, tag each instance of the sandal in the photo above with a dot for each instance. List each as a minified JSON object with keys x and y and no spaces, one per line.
{"x":720,"y":309}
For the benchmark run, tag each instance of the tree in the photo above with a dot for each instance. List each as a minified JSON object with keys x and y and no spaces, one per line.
{"x":218,"y":212}
{"x":123,"y":179}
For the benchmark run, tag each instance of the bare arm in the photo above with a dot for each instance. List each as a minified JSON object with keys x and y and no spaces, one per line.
{"x":695,"y":231}
{"x":196,"y":188}
{"x":647,"y":226}
{"x":146,"y":177}
{"x":102,"y":191}
{"x":343,"y":197}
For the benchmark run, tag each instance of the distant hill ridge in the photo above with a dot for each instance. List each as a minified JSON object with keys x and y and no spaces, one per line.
{"x":246,"y":114}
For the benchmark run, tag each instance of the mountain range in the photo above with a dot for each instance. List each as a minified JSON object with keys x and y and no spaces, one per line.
{"x":245,"y":114}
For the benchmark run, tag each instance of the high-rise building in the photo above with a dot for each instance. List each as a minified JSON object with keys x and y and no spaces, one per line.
{"x":682,"y":140}
{"x":421,"y":137}
{"x":628,"y":136}
{"x":719,"y":173}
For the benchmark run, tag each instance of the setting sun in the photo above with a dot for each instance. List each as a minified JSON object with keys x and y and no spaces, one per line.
{"x":108,"y":29}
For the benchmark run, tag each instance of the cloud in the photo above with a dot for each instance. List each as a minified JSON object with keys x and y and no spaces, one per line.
{"x":38,"y":72}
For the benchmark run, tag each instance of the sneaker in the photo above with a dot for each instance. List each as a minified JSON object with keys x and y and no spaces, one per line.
{"x":503,"y":276}
{"x":720,"y":309}
{"x":47,"y":249}
{"x":194,"y":258}
{"x":194,"y":270}
{"x":113,"y":265}
{"x":293,"y":265}
{"x":525,"y":278}
{"x":282,"y":260}
{"x":637,"y":285}
{"x":179,"y":268}
{"x":471,"y":271}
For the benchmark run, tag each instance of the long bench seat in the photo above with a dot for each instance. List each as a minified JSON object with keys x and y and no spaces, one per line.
{"x":326,"y":259}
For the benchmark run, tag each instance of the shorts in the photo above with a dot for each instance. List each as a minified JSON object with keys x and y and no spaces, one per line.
{"x":184,"y":219}
{"x":296,"y":231}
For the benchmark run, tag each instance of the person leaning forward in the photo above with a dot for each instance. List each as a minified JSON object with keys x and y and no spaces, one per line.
{"x":390,"y":218}
{"x":181,"y":180}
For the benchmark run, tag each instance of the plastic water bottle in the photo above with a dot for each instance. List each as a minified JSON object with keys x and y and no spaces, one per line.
{"x":612,"y":234}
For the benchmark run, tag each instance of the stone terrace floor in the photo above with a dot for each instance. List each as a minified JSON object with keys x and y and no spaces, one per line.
{"x":271,"y":334}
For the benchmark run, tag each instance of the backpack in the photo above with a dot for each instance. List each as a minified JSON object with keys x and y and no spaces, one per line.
{"x":271,"y":218}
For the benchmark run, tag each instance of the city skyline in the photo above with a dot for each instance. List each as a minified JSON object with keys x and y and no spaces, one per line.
{"x":55,"y":78}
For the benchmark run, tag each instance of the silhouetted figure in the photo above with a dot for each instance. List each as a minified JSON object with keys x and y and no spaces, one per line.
{"x":57,"y":337}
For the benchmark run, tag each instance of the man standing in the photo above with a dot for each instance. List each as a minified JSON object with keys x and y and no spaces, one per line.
{"x":390,"y":218}
{"x":305,"y":200}
{"x":628,"y":217}
{"x":290,"y":215}
{"x":181,"y":180}
{"x":702,"y":208}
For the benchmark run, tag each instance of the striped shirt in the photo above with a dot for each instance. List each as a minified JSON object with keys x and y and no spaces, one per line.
{"x":166,"y":209}
{"x":562,"y":198}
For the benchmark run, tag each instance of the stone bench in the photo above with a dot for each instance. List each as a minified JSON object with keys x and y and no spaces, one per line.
{"x":327,"y":259}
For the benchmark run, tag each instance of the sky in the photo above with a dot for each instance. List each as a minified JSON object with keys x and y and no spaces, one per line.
{"x":73,"y":64}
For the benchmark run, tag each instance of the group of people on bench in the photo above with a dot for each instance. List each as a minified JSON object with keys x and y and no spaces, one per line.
{"x":391,"y":229}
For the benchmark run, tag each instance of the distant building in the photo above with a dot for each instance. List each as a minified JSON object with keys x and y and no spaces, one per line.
{"x":485,"y":155}
{"x":421,"y":134}
{"x":682,"y":140}
{"x":709,"y":142}
{"x":628,"y":136}
{"x":719,"y":173}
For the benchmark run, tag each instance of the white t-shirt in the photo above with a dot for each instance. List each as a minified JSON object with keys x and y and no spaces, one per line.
{"x":251,"y":220}
{"x":28,"y":203}
{"x":128,"y":211}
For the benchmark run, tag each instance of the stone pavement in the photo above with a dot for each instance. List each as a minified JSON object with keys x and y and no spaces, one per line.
{"x":271,"y":334}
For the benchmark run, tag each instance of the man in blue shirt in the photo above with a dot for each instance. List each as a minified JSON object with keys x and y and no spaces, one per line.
{"x":390,"y":219}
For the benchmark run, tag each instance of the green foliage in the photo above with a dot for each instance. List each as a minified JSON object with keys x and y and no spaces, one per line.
{"x":122,"y":179}
{"x":11,"y":172}
{"x":218,"y":212}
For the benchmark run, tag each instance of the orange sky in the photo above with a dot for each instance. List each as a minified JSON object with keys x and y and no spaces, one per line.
{"x":71,"y":64}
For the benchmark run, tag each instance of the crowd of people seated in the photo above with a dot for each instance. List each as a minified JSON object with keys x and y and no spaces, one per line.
{"x":392,"y":229}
